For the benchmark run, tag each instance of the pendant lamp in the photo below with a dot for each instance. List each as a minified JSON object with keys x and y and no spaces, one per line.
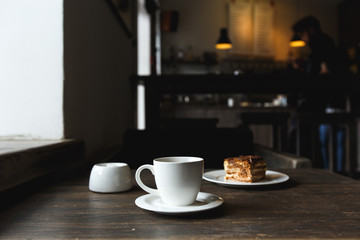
{"x":224,"y":42}
{"x":296,"y":42}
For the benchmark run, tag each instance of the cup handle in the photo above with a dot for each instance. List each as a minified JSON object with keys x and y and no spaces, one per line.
{"x":141,"y":184}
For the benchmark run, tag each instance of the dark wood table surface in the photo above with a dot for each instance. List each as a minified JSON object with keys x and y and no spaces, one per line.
{"x":313,"y":204}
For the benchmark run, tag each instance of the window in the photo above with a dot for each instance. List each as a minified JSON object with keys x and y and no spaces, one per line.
{"x":31,"y":69}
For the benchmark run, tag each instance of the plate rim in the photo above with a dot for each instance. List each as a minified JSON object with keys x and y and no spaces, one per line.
{"x":245,"y":184}
{"x":140,"y":202}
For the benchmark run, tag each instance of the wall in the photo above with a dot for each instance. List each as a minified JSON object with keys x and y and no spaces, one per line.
{"x":198,"y":27}
{"x":98,"y":60}
{"x":31,"y":69}
{"x":289,"y":11}
{"x":201,"y":20}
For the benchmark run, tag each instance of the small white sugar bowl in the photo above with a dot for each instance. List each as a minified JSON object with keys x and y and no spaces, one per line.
{"x":110,"y":177}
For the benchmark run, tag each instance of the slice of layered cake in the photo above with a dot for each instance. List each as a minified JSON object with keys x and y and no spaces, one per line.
{"x":249,"y":168}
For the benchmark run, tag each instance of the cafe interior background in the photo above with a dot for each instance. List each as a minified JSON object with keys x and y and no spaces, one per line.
{"x":260,"y":32}
{"x":76,"y":66}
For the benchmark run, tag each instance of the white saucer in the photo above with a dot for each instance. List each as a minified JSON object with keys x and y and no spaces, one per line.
{"x":271,"y":177}
{"x":204,"y":201}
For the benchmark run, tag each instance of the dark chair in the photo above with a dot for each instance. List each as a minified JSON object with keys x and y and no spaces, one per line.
{"x":212,"y":144}
{"x":171,"y":123}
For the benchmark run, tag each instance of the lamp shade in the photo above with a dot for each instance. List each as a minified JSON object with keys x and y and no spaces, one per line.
{"x":224,"y":41}
{"x":296,"y":41}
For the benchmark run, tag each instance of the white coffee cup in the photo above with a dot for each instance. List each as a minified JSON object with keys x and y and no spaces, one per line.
{"x":178,"y":179}
{"x":110,"y":177}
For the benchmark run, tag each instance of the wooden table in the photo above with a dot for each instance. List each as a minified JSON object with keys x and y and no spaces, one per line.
{"x":313,"y":204}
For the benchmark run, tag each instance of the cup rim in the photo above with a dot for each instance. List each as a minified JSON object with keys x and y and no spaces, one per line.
{"x":177,"y":159}
{"x":111,"y":164}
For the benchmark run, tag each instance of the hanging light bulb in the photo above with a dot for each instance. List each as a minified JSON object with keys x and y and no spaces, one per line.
{"x":297,"y":42}
{"x":224,"y":42}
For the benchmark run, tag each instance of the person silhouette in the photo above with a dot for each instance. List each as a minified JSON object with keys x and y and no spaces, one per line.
{"x":323,"y":59}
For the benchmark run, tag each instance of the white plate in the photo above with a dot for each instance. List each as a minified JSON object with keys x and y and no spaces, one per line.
{"x":271,"y":177}
{"x":204,"y":201}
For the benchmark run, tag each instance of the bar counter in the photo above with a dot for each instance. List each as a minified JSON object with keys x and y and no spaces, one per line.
{"x":312,"y":204}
